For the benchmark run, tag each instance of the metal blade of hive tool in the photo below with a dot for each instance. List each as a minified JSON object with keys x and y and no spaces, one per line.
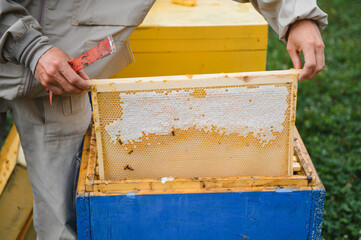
{"x":101,"y":50}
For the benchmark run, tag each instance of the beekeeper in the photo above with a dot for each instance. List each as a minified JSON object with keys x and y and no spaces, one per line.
{"x":39,"y":38}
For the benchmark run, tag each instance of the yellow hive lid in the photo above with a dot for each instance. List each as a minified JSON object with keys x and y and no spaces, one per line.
{"x":206,"y":13}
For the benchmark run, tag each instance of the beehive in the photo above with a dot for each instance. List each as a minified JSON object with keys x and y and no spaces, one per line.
{"x":214,"y":125}
{"x":202,"y":207}
{"x":212,"y":37}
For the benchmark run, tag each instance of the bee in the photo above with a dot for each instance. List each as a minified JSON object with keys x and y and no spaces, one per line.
{"x":130,"y":152}
{"x":128,"y":168}
{"x":173,"y":133}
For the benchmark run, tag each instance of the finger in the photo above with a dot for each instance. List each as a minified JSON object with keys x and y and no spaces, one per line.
{"x":73,"y":78}
{"x":309,"y":69}
{"x":295,"y":57}
{"x":83,"y":74}
{"x":66,"y":85}
{"x":320,"y":58}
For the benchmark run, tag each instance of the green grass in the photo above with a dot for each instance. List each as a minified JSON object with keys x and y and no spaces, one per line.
{"x":329,"y":116}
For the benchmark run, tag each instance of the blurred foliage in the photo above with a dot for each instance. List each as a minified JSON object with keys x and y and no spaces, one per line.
{"x":329,"y":116}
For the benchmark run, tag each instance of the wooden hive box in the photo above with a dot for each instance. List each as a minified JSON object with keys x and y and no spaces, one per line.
{"x":212,"y":37}
{"x":250,"y":207}
{"x":138,"y":201}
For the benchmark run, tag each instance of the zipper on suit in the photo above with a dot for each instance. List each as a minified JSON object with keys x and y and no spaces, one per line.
{"x":30,"y":76}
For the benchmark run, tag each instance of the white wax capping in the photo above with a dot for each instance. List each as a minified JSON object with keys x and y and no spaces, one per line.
{"x":242,"y":110}
{"x":166,"y":179}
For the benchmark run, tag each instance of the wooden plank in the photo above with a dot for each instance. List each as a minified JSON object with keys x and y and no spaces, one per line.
{"x":26,"y":227}
{"x":205,"y":190}
{"x":240,"y":215}
{"x":30,"y":234}
{"x":157,"y":186}
{"x":8,"y":157}
{"x":83,"y":171}
{"x":306,"y":162}
{"x":16,"y":203}
{"x":93,"y":156}
{"x":97,"y":130}
{"x":292,"y":121}
{"x":191,"y":81}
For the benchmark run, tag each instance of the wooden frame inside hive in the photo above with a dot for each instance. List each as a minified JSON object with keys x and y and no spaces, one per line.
{"x":238,"y":124}
{"x":305,"y":177}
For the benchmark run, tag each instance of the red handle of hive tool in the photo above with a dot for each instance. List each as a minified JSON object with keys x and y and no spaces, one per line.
{"x":102,"y":49}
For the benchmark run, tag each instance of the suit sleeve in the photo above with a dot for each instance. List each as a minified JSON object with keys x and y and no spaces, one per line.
{"x":281,"y":14}
{"x":22,"y":40}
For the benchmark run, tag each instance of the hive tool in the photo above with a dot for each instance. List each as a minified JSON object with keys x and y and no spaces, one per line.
{"x":102,"y":49}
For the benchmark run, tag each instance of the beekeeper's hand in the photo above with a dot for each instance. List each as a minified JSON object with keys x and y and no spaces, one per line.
{"x":304,"y":36}
{"x":55,"y":74}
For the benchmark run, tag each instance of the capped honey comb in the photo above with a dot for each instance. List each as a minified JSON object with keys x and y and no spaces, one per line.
{"x":238,"y":124}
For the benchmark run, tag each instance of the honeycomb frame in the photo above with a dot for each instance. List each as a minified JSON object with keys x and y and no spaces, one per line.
{"x":192,"y":85}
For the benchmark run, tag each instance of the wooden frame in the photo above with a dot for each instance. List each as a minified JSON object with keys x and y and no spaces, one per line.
{"x":90,"y":185}
{"x":187,"y":81}
{"x":191,"y":81}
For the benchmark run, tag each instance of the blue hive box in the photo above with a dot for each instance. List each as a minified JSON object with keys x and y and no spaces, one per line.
{"x":255,"y":207}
